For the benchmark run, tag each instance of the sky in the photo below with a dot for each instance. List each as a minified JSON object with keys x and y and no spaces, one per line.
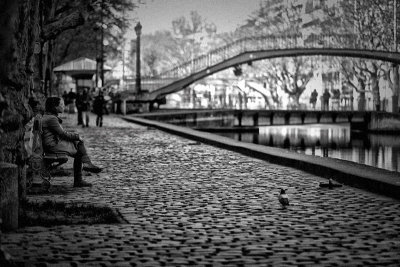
{"x":158,"y":14}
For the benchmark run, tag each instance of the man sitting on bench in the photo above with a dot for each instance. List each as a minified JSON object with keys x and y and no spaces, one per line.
{"x":57,"y":140}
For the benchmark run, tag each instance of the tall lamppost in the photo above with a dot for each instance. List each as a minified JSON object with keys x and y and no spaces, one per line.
{"x":395,"y":96}
{"x":96,"y":28}
{"x":395,"y":25}
{"x":102,"y":45}
{"x":138,"y":30}
{"x":102,"y":57}
{"x":123,"y":67}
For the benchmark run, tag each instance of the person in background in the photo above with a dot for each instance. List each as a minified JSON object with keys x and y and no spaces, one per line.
{"x":79,"y":106}
{"x":99,"y":107}
{"x":71,"y":97}
{"x":107,"y":100}
{"x":313,"y":98}
{"x":86,"y":106}
{"x":56,"y":139}
{"x":325,"y":98}
{"x":65,"y":98}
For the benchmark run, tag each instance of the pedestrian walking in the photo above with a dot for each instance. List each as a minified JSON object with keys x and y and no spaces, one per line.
{"x":65,"y":98}
{"x":79,"y":106}
{"x":313,"y":98}
{"x":86,"y":106}
{"x":325,"y":98}
{"x":336,"y":99}
{"x":56,"y":139}
{"x":71,"y":101}
{"x":99,"y":108}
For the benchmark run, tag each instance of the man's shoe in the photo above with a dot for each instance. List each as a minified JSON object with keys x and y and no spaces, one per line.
{"x":82,"y":184}
{"x":91,"y":168}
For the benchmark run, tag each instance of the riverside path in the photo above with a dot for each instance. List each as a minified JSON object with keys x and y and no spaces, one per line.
{"x":190,"y":204}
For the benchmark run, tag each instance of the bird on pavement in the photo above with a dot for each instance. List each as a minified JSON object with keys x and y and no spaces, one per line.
{"x":330,"y":184}
{"x":283,"y":198}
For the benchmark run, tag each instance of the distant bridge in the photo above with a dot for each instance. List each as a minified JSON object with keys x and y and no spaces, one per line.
{"x":252,"y":49}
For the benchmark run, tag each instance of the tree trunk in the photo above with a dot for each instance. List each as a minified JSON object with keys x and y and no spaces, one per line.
{"x":8,"y":196}
{"x":395,"y":89}
{"x":19,"y":33}
{"x":296,"y":100}
{"x":375,"y":92}
{"x":361,"y":101}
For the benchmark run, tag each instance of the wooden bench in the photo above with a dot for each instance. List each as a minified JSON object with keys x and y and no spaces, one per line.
{"x":41,"y":163}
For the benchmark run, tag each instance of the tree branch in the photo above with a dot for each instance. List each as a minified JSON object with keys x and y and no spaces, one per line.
{"x":66,"y":7}
{"x":71,"y":21}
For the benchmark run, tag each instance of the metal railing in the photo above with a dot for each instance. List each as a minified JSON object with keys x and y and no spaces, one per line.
{"x":258,"y":43}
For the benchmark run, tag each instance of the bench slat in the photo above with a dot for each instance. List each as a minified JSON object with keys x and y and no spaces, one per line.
{"x":55,"y":157}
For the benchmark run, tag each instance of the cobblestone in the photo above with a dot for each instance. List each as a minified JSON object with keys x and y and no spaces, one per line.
{"x":190,"y":204}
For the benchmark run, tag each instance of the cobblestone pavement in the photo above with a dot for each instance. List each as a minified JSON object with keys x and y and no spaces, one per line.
{"x":190,"y":204}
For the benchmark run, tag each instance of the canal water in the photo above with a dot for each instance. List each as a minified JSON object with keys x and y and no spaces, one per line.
{"x":325,"y":140}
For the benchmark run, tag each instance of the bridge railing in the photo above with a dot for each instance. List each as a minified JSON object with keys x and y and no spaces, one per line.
{"x":267,"y":42}
{"x":248,"y":44}
{"x":150,"y":84}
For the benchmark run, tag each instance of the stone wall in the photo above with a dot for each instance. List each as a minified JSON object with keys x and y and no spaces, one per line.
{"x":384,"y":122}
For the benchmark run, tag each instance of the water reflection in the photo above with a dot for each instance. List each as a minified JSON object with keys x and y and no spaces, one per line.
{"x":335,"y":141}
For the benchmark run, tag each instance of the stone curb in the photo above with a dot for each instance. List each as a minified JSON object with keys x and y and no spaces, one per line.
{"x":375,"y":180}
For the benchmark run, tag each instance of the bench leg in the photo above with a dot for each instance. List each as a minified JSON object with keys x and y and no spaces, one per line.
{"x":77,"y":170}
{"x":46,"y":177}
{"x":39,"y":172}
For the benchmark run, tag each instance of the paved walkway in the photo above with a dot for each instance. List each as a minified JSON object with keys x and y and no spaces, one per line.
{"x":190,"y":204}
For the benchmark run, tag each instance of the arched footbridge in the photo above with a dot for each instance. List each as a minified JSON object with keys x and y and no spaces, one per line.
{"x":251,"y":49}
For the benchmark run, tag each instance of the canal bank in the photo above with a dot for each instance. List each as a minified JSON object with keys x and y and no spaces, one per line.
{"x":327,"y":140}
{"x":366,"y":121}
{"x":361,"y":176}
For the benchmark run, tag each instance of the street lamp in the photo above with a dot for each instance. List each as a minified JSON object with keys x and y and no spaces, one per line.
{"x":102,"y":45}
{"x":395,"y":96}
{"x":138,"y":30}
{"x":395,"y":25}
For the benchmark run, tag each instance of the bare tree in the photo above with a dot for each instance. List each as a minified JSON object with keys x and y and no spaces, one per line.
{"x":159,"y":52}
{"x":294,"y":77}
{"x":189,"y":31}
{"x":370,"y":24}
{"x":150,"y":58}
{"x":282,"y":19}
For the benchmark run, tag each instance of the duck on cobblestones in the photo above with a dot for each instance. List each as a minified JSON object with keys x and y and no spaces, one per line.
{"x":330,"y":184}
{"x":283,"y":198}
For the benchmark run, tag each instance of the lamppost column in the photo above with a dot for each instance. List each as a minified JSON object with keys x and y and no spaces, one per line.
{"x":395,"y":25}
{"x":396,"y":85}
{"x":102,"y":46}
{"x":123,"y":67}
{"x":138,"y":30}
{"x":102,"y":58}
